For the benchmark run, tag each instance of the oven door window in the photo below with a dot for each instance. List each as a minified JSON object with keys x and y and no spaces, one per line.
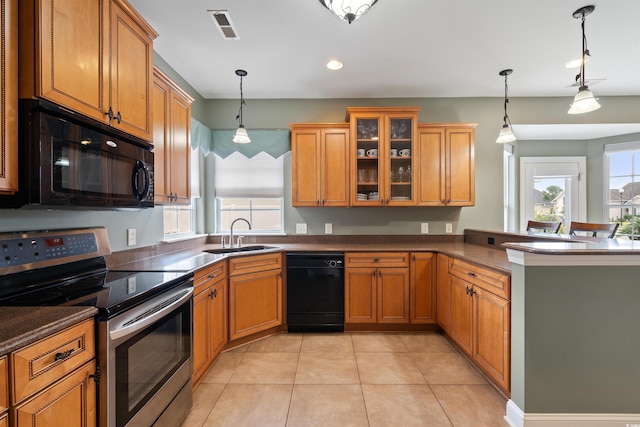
{"x":147,"y":360}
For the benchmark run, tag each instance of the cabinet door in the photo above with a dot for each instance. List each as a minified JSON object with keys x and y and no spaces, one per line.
{"x":9,"y":98}
{"x":219,"y":317}
{"x":160,"y":94}
{"x":180,"y":125}
{"x":393,"y":295}
{"x":491,"y":346}
{"x":431,"y":178}
{"x":397,"y":158}
{"x":443,"y":293}
{"x":131,"y":73}
{"x":461,"y":315}
{"x":366,"y":135}
{"x":305,"y":167}
{"x":422,"y":295}
{"x":70,"y":403}
{"x":460,"y":167}
{"x":334,"y":167}
{"x":65,"y":54}
{"x":255,"y":302}
{"x":4,"y":384}
{"x":202,"y":326}
{"x":360,"y":295}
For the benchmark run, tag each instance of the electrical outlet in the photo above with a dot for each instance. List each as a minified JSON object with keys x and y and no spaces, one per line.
{"x":448,"y":228}
{"x":131,"y":236}
{"x":328,"y":228}
{"x":301,"y":228}
{"x":424,"y":228}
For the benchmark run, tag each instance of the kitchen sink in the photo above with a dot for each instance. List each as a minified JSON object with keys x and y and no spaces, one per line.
{"x":240,"y":249}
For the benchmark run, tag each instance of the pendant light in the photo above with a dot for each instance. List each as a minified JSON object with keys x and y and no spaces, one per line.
{"x":348,"y":10}
{"x":241,"y":136}
{"x":506,"y":134}
{"x":584,"y":101}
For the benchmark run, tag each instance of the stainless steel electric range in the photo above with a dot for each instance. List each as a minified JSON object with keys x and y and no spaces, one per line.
{"x":143,"y":326}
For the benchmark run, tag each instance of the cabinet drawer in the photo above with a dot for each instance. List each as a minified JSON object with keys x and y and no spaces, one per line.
{"x":253,"y":263}
{"x":208,"y":276}
{"x":4,"y":381}
{"x":376,"y":259}
{"x":46,"y":361}
{"x":484,"y":278}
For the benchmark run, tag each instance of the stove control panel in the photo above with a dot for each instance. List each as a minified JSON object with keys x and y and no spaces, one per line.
{"x":39,"y":249}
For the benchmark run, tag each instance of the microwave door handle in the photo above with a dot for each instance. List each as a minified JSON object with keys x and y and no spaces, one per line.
{"x":140,"y":166}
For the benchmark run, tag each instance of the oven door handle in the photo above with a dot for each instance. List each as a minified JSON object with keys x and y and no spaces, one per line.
{"x":151,"y":315}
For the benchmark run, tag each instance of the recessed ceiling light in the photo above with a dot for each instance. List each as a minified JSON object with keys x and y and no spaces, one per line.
{"x":334,"y":64}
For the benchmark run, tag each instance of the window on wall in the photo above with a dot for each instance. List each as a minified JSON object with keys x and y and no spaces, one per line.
{"x":622,"y":187}
{"x":249,"y":188}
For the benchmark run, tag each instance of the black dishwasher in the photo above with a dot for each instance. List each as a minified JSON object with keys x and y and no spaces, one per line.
{"x":315,"y":291}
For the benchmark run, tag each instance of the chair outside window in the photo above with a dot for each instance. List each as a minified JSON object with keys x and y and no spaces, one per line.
{"x":592,"y":229}
{"x":544,"y":226}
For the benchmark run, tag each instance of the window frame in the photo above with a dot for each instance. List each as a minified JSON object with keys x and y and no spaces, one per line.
{"x":633,"y":148}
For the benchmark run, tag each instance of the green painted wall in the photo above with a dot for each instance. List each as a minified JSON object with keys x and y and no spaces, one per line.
{"x":575,"y":341}
{"x":278,"y":113}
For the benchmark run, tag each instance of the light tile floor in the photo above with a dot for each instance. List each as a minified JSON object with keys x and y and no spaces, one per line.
{"x":345,"y":379}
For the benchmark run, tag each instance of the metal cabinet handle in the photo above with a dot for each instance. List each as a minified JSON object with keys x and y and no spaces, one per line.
{"x":472,"y":274}
{"x":63,"y":355}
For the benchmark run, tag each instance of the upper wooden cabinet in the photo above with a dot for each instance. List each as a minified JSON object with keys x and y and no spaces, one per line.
{"x":172,"y":141}
{"x":383,"y":153}
{"x":9,"y":98}
{"x":320,"y":164}
{"x":447,"y":166}
{"x":92,"y":56}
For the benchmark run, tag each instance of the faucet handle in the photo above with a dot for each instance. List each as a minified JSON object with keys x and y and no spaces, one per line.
{"x":239,"y":241}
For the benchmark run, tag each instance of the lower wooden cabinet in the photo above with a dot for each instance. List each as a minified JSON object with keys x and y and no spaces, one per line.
{"x":4,"y":390}
{"x":480,"y":318}
{"x":209,"y":316}
{"x":443,"y":306}
{"x":422,"y":288}
{"x":52,"y":380}
{"x":377,"y":294}
{"x":70,"y":403}
{"x":255,"y":294}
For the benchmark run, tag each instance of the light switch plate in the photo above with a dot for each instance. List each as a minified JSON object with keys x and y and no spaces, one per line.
{"x":448,"y":228}
{"x":424,"y":228}
{"x":328,"y":228}
{"x":131,"y":236}
{"x":301,"y":228}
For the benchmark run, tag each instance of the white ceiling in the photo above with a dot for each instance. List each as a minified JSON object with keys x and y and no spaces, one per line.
{"x":401,"y":48}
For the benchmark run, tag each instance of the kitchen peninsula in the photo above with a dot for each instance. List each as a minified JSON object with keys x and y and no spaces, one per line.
{"x":575,"y":340}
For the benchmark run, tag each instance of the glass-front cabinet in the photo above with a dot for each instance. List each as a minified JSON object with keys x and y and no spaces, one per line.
{"x":383,"y":144}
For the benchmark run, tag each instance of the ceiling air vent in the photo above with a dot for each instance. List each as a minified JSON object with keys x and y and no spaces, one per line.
{"x":223,"y":23}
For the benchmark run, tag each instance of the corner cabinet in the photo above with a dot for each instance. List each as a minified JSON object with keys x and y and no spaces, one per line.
{"x":320,"y":164}
{"x":383,"y":152}
{"x":447,"y":165}
{"x":92,"y":56}
{"x":172,"y":141}
{"x":9,"y":98}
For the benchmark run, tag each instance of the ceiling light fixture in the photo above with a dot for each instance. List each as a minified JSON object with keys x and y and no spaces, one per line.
{"x":584,"y":101}
{"x":506,"y":133}
{"x":334,"y":65}
{"x":241,"y":136}
{"x":348,"y":10}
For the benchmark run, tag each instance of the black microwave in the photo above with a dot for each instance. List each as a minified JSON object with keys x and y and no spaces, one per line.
{"x":68,"y":160}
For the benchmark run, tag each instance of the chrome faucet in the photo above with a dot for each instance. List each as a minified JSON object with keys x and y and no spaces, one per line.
{"x":231,"y":231}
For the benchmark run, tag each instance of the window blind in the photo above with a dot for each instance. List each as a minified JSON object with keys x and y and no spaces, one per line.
{"x":239,"y":176}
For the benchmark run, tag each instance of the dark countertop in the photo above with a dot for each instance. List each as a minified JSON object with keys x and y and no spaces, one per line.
{"x":21,"y":326}
{"x":194,"y":259}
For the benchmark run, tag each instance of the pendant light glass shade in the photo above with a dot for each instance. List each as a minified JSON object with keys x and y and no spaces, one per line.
{"x":506,"y":133}
{"x":348,"y":10}
{"x":584,"y":102}
{"x":241,"y":136}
